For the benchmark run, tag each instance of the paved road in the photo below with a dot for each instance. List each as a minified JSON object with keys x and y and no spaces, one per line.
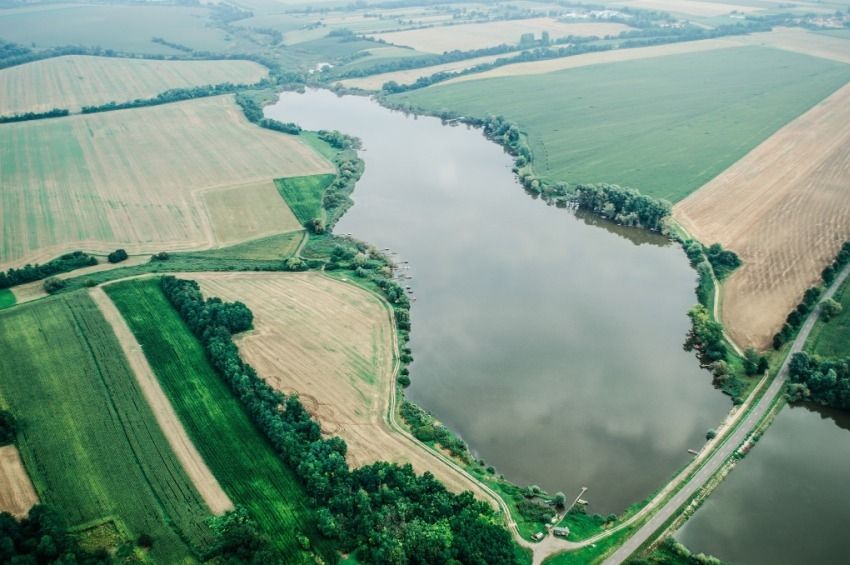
{"x":722,"y":454}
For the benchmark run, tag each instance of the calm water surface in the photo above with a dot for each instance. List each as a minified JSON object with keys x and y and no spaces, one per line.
{"x":787,"y":502}
{"x":552,"y":346}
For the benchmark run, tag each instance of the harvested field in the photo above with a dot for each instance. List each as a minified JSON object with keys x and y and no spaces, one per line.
{"x":16,"y":493}
{"x":464,"y":37}
{"x":333,"y":344}
{"x":166,"y":417}
{"x":75,"y":81}
{"x":136,"y":178}
{"x":689,"y":7}
{"x":408,"y":76}
{"x":785,"y":209}
{"x":802,"y":41}
{"x":87,"y":436}
{"x":617,"y":55}
{"x":270,"y":214}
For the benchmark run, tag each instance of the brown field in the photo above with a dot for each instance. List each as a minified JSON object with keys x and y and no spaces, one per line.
{"x":78,"y":80}
{"x":140,"y":179}
{"x":333,"y":343}
{"x":785,"y":210}
{"x":464,"y":37}
{"x":563,"y":63}
{"x":17,"y":495}
{"x":186,"y":452}
{"x":407,"y":76}
{"x":688,"y":7}
{"x":802,"y":41}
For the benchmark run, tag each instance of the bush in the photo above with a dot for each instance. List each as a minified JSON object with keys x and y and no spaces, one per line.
{"x":145,"y":541}
{"x":161,"y":256}
{"x":8,"y":427}
{"x":53,"y":285}
{"x":829,"y":309}
{"x":117,"y":256}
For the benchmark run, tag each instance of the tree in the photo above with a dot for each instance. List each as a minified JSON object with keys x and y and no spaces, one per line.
{"x":7,"y":427}
{"x":829,"y":309}
{"x":117,"y":256}
{"x":751,"y":361}
{"x":560,"y":499}
{"x":710,"y":434}
{"x":53,"y":285}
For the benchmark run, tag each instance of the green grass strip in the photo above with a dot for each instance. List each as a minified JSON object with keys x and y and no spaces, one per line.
{"x":239,"y":457}
{"x":304,"y":195}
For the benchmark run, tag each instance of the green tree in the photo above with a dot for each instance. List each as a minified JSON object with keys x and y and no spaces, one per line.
{"x":829,"y":309}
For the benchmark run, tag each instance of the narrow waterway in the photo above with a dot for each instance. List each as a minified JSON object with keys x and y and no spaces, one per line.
{"x":787,"y":502}
{"x":552,"y":344}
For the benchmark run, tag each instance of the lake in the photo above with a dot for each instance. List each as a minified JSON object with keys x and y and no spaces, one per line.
{"x":551,"y":342}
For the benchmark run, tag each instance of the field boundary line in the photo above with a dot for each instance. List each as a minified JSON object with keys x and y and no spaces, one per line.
{"x":193,"y":463}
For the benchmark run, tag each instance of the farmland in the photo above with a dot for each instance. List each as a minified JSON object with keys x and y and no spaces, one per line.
{"x":665,"y":125}
{"x":803,"y":41}
{"x":124,"y":28}
{"x":464,"y":37}
{"x":785,"y":210}
{"x":332,"y":343}
{"x":689,"y":7}
{"x":80,"y":408}
{"x":247,"y":468}
{"x":137,"y":179}
{"x":304,"y":195}
{"x":17,"y":495}
{"x":614,"y":56}
{"x":75,"y":81}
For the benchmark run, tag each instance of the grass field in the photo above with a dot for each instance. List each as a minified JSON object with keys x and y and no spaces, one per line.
{"x":665,"y":125}
{"x":75,"y":81}
{"x":832,"y":339}
{"x":785,"y":210}
{"x":87,"y":437}
{"x":125,"y":28}
{"x":304,"y":195}
{"x":332,"y":343}
{"x":147,"y":179}
{"x":239,"y":457}
{"x":276,"y":247}
{"x":7,"y":298}
{"x":463,"y":37}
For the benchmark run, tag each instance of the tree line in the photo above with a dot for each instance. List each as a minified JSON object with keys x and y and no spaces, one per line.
{"x":810,"y":299}
{"x":254,"y":113}
{"x":383,"y":511}
{"x":172,"y":95}
{"x":42,"y":537}
{"x":27,"y":116}
{"x":623,"y":205}
{"x":62,"y":264}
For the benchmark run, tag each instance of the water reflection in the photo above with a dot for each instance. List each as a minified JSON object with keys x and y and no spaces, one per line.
{"x":552,"y":347}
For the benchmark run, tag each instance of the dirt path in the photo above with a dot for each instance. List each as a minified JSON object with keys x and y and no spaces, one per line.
{"x":167,"y":418}
{"x":17,"y":494}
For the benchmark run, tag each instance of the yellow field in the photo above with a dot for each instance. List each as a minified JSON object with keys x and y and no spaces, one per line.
{"x":785,"y":210}
{"x":76,"y":80}
{"x":476,"y":36}
{"x":333,"y":344}
{"x":563,"y":63}
{"x":140,"y":179}
{"x":17,"y":495}
{"x":802,"y":41}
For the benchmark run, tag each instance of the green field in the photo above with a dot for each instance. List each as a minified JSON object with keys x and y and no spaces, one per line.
{"x":832,"y":339}
{"x":127,"y":28}
{"x":304,"y":195}
{"x":664,"y":125}
{"x":239,"y":457}
{"x":272,"y":248}
{"x":88,"y":438}
{"x":7,"y":298}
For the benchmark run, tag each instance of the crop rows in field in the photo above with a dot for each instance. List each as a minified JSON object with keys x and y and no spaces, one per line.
{"x":665,"y":125}
{"x":239,"y":457}
{"x":87,"y":437}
